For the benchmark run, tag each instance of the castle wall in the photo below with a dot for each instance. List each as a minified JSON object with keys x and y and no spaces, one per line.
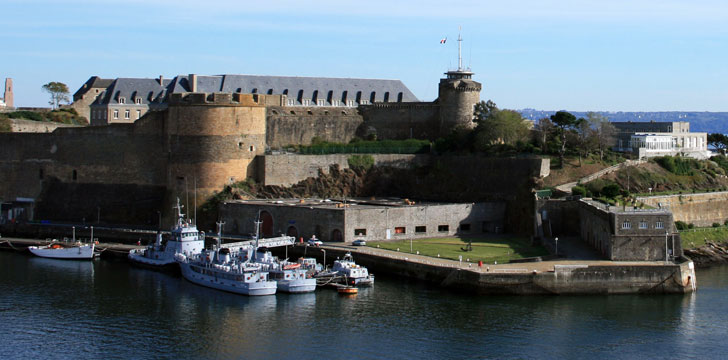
{"x":700,"y":209}
{"x":297,"y":125}
{"x":401,"y":120}
{"x":289,"y":169}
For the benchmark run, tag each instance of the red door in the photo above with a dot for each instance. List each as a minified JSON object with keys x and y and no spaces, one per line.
{"x":266,"y":229}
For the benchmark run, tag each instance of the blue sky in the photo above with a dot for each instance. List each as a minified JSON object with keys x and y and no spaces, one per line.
{"x":584,"y":55}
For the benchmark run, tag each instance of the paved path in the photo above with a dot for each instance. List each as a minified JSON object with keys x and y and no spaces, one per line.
{"x":568,"y":186}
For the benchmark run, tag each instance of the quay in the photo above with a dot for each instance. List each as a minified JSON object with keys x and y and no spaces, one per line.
{"x":555,"y":277}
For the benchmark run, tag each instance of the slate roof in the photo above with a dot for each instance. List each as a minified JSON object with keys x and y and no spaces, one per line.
{"x":293,"y":85}
{"x":149,"y":90}
{"x":92,"y":82}
{"x":298,"y":89}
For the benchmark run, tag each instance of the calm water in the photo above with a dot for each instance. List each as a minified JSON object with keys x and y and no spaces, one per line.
{"x":104,"y":309}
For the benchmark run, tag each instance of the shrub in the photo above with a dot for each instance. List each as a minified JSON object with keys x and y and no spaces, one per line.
{"x":681,"y":225}
{"x":24,"y":114}
{"x":725,"y":223}
{"x":678,"y":165}
{"x":578,"y":190}
{"x":691,"y":225}
{"x":715,"y":225}
{"x":363,"y":162}
{"x":5,"y":124}
{"x":611,"y":191}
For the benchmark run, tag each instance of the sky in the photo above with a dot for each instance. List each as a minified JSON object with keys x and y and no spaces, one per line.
{"x":616,"y":55}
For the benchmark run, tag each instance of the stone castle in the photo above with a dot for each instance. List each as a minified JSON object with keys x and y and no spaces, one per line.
{"x":202,"y":132}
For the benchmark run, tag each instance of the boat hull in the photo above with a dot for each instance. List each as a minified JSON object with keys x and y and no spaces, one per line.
{"x":83,"y":252}
{"x":260,"y":288}
{"x":297,"y":286}
{"x":162,"y":264}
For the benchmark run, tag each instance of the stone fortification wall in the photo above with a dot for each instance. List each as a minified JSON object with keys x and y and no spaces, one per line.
{"x":560,"y":217}
{"x":212,"y":140}
{"x":418,"y":120}
{"x":19,"y":125}
{"x":700,"y":209}
{"x":289,"y":169}
{"x":297,"y":125}
{"x":457,"y":99}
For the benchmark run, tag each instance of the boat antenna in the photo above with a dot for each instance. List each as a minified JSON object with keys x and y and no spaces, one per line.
{"x":460,"y":43}
{"x":219,"y":233}
{"x":257,"y":236}
{"x":187,"y":194}
{"x":195,"y":200}
{"x":180,"y":215}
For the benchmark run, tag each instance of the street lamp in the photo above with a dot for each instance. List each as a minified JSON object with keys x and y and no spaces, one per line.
{"x":666,"y":235}
{"x":556,"y":240}
{"x":159,"y":213}
{"x":324,"y":258}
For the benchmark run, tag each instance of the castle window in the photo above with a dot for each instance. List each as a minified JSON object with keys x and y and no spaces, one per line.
{"x":443,"y":228}
{"x":626,"y":225}
{"x":330,"y":97}
{"x":343,"y":112}
{"x":420,"y":229}
{"x":274,"y":112}
{"x":252,"y":148}
{"x":659,"y":225}
{"x":139,"y":114}
{"x":285,"y":92}
{"x":386,"y":96}
{"x":400,"y":230}
{"x":255,"y":91}
{"x":116,"y":114}
{"x":293,"y":112}
{"x":122,"y":100}
{"x":360,"y":232}
{"x":240,"y":145}
{"x":643,"y":224}
{"x":373,"y":97}
{"x":310,"y":112}
{"x":127,"y":114}
{"x":399,"y":97}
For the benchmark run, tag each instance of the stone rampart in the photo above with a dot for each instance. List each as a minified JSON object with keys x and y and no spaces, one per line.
{"x":289,"y":169}
{"x":297,"y":125}
{"x":20,"y":125}
{"x":401,"y":120}
{"x":702,"y":209}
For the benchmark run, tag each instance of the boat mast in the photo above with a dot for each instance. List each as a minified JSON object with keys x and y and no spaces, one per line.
{"x":257,"y":236}
{"x":219,"y":233}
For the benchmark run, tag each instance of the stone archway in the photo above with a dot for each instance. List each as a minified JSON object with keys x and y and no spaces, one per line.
{"x":337,"y":236}
{"x":266,"y":228}
{"x":292,"y":231}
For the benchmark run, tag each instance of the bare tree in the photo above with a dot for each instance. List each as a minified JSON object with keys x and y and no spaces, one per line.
{"x":604,"y":132}
{"x":545,"y":129}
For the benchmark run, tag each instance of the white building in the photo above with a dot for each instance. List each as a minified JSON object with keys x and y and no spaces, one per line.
{"x":689,"y":144}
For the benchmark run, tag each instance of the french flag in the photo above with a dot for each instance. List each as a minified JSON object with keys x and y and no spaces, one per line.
{"x":443,"y":40}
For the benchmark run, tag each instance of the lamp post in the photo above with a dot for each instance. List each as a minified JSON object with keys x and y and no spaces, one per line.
{"x":666,"y":235}
{"x":159,"y":214}
{"x":324,"y":258}
{"x":556,"y":240}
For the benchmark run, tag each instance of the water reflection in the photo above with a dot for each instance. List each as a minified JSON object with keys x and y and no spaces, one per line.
{"x":121,"y":311}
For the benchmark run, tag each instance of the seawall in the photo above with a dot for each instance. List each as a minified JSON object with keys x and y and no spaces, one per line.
{"x":588,"y":278}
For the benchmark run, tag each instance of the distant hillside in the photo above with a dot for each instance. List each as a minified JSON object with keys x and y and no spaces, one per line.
{"x":710,"y":122}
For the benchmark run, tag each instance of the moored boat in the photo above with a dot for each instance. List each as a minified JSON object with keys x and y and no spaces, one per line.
{"x":74,"y":250}
{"x":184,"y":239}
{"x":290,"y":277}
{"x":352,"y":273}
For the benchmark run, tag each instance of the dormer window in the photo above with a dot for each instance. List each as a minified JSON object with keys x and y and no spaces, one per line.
{"x":138,"y":101}
{"x":122,"y":100}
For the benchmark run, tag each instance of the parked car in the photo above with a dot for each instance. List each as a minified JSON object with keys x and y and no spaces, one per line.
{"x":359,"y":243}
{"x":313,"y":241}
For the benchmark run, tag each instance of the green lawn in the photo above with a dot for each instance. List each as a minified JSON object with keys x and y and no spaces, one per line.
{"x":694,"y":238}
{"x":487,"y":250}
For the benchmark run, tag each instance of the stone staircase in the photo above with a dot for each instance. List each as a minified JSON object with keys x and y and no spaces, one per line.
{"x":566,"y":188}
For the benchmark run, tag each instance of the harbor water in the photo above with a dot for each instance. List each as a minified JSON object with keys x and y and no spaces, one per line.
{"x":56,"y":309}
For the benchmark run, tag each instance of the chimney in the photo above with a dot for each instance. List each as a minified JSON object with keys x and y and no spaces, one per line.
{"x":9,"y":93}
{"x":193,"y":83}
{"x":161,"y":80}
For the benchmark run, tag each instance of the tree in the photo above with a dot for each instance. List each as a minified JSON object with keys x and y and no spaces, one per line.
{"x":565,"y":123}
{"x":59,"y":93}
{"x":718,"y":141}
{"x":604,"y":132}
{"x":545,"y":129}
{"x":497,"y":126}
{"x":585,"y":138}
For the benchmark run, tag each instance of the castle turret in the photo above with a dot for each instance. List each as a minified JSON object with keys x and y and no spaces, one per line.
{"x":8,"y":97}
{"x":458,"y":94}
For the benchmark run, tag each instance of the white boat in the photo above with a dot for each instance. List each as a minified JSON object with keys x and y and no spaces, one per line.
{"x":223,"y":270}
{"x":353,"y":273}
{"x":218,"y":269}
{"x":290,"y":277}
{"x":66,"y":250}
{"x":60,"y":250}
{"x":184,"y":239}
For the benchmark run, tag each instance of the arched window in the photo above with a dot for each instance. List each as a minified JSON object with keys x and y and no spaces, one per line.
{"x":399,"y":97}
{"x":344,"y":95}
{"x":386,"y":96}
{"x":372,"y":97}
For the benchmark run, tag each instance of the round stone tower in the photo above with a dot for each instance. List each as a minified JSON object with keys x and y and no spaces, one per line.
{"x":458,"y":94}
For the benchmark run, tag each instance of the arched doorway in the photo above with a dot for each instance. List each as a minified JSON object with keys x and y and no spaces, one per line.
{"x":336,"y":235}
{"x":292,"y":231}
{"x":266,"y":228}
